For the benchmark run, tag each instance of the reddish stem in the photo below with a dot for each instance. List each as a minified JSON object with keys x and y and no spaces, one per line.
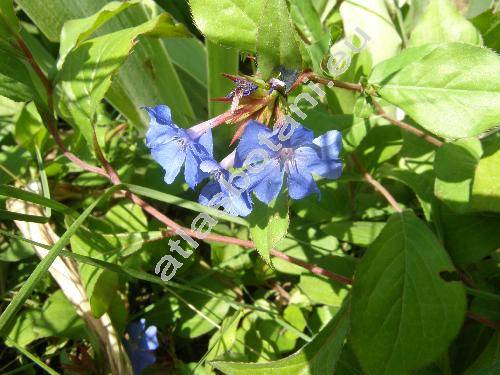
{"x":376,"y":185}
{"x":405,"y":126}
{"x":481,"y":319}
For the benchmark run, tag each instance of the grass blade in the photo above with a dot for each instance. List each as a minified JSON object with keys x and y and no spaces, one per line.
{"x":42,"y":267}
{"x":12,"y":192}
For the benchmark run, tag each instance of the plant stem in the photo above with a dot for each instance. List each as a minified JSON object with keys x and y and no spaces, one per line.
{"x":357,"y":87}
{"x":407,"y":127}
{"x":481,"y":319}
{"x":336,"y":83}
{"x":376,"y":185}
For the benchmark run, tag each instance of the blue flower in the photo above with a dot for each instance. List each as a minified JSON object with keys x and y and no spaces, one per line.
{"x":172,"y":146}
{"x":225,"y":190}
{"x":294,"y":152}
{"x":141,"y":344}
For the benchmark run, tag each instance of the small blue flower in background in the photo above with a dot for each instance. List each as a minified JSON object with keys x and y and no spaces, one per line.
{"x":221,"y":191}
{"x":298,"y":157}
{"x":172,"y":146}
{"x":141,"y":344}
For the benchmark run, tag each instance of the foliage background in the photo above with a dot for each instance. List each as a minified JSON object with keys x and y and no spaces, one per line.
{"x":425,"y":293}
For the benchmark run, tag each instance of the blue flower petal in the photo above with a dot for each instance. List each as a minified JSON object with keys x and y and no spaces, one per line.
{"x":150,"y":340}
{"x":211,"y":195}
{"x":308,"y":158}
{"x":161,"y":129}
{"x":140,"y":345}
{"x":330,"y":144}
{"x":171,"y":157}
{"x":192,"y":172}
{"x":267,"y":183}
{"x":301,"y":136}
{"x":207,"y":142}
{"x":224,"y":192}
{"x":300,"y":182}
{"x":250,"y":141}
{"x":160,"y":114}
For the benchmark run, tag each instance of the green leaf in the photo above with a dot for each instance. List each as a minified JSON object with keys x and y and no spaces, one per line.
{"x":44,"y":265}
{"x":277,"y":43}
{"x":421,"y":182}
{"x":220,"y":60}
{"x":224,"y":339}
{"x":361,"y":233}
{"x":149,"y":75}
{"x":469,"y":238}
{"x":29,"y":130}
{"x":486,"y":185}
{"x":318,"y":357}
{"x":400,"y":304}
{"x":455,"y":80}
{"x":15,"y":81}
{"x":489,"y":360}
{"x":9,"y":24}
{"x":373,"y":19}
{"x":15,"y":250}
{"x":440,"y":23}
{"x":488,"y":24}
{"x":100,"y":284}
{"x":454,"y":166}
{"x":323,"y":291}
{"x":230,"y":22}
{"x":56,"y":318}
{"x":127,"y":216}
{"x":76,"y":31}
{"x":307,"y":19}
{"x":269,"y":224}
{"x":86,"y":74}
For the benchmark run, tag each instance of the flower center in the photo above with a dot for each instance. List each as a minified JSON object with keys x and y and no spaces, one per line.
{"x":182,"y":142}
{"x":286,"y":154}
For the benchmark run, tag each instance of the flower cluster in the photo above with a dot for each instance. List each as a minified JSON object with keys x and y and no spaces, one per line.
{"x":263,"y":160}
{"x":140,"y":343}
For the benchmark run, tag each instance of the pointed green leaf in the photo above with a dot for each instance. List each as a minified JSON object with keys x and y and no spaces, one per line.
{"x":452,"y":90}
{"x":454,"y":166}
{"x":277,"y":43}
{"x":471,"y":237}
{"x":149,"y":75}
{"x":86,"y":74}
{"x":269,"y":224}
{"x":361,"y":233}
{"x":489,"y":360}
{"x":372,"y":18}
{"x":488,"y":24}
{"x":318,"y":357}
{"x":486,"y":185}
{"x":9,"y":24}
{"x":404,"y":315}
{"x":15,"y":81}
{"x":230,"y":22}
{"x":440,"y":23}
{"x":76,"y":31}
{"x":220,"y":59}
